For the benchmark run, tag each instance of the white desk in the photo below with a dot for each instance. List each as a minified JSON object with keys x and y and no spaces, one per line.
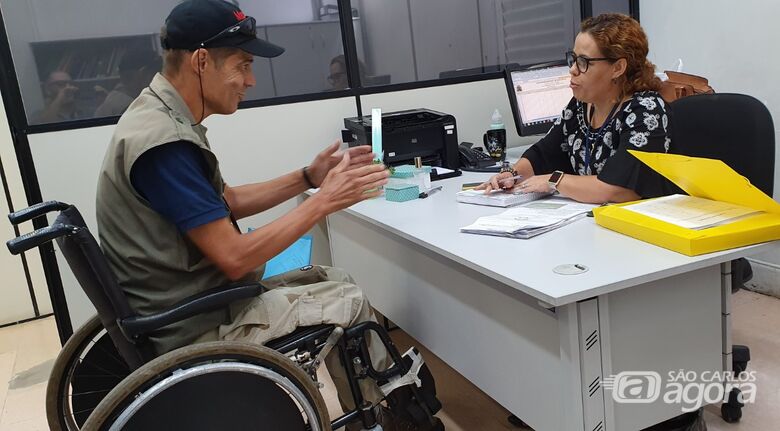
{"x":535,"y":341}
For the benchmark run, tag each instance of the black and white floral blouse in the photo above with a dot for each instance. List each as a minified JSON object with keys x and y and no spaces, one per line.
{"x":572,"y":146}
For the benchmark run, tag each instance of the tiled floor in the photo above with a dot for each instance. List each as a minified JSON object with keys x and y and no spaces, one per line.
{"x":26,"y":352}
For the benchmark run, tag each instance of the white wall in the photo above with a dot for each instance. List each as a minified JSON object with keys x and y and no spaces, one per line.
{"x":734,"y":45}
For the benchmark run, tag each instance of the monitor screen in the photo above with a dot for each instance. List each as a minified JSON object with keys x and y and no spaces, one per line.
{"x":537,"y":97}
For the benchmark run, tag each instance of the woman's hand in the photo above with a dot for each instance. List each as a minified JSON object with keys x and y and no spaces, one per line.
{"x":501,"y":181}
{"x":536,"y":183}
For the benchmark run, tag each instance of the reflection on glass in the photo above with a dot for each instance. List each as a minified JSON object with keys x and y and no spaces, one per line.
{"x":86,"y":78}
{"x":71,"y":66}
{"x":425,"y":40}
{"x":136,"y":70}
{"x":59,"y":99}
{"x":338,"y":73}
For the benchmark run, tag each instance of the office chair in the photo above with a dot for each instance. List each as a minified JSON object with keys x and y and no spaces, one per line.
{"x":738,"y":130}
{"x":108,"y":376}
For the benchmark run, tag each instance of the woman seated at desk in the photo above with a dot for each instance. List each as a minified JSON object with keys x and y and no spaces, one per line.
{"x":616,"y":107}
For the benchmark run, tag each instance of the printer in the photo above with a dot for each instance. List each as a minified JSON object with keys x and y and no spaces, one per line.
{"x":424,"y":133}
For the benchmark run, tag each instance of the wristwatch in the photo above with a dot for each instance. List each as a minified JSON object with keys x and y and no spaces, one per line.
{"x":555,"y":179}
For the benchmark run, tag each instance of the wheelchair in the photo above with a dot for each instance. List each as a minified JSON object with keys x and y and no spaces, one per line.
{"x":108,"y":377}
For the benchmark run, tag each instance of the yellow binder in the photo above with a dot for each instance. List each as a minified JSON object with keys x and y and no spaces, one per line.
{"x":705,"y":178}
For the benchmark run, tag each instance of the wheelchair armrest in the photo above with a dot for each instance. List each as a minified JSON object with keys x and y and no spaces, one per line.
{"x":36,"y":210}
{"x":212,"y":299}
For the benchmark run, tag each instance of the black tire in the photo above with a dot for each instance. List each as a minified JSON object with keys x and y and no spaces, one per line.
{"x":213,"y":352}
{"x":731,"y":414}
{"x":731,"y":411}
{"x":87,"y":368}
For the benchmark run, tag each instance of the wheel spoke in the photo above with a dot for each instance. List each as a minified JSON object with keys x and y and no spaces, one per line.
{"x":110,"y":373}
{"x":109,"y":353}
{"x":74,"y":395}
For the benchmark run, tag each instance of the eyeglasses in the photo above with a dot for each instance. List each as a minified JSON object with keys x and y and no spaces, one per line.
{"x":582,"y":61}
{"x":246,"y":27}
{"x":333,"y":77}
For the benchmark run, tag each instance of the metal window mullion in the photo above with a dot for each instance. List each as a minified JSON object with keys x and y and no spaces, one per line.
{"x":350,"y":50}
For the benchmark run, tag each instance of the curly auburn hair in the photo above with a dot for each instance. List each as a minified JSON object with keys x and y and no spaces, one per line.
{"x":620,"y":36}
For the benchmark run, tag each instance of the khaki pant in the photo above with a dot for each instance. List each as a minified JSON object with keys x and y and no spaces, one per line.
{"x":305,"y":297}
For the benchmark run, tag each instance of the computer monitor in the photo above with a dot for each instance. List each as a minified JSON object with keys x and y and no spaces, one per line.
{"x":537,"y":96}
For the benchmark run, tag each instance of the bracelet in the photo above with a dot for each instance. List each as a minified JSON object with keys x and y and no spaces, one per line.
{"x":307,"y":179}
{"x":509,"y":169}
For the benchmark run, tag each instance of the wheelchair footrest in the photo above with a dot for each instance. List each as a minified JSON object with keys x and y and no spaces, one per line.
{"x":411,"y":377}
{"x":413,"y":395}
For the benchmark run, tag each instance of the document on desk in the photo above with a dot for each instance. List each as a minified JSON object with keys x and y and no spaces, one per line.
{"x":497,"y":198}
{"x":691,"y":212}
{"x":531,"y":219}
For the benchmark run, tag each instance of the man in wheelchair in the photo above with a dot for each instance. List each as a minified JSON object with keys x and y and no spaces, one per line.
{"x":167,"y":225}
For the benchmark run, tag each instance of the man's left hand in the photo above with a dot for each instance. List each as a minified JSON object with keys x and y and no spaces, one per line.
{"x":331,"y":156}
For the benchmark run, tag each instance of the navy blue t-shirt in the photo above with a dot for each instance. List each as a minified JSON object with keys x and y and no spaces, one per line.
{"x":174,"y":179}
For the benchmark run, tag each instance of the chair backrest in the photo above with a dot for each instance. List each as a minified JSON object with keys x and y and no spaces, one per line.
{"x":95,"y":276}
{"x":734,"y":128}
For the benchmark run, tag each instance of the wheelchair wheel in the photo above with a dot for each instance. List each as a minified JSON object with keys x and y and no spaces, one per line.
{"x":87,"y":368}
{"x":216,"y":385}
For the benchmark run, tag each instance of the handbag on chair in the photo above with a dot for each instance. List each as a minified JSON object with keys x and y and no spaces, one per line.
{"x":679,"y":85}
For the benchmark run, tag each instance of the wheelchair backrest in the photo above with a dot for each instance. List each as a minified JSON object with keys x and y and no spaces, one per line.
{"x":98,"y":281}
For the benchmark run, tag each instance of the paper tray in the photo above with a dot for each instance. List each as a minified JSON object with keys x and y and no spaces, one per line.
{"x":752,"y":230}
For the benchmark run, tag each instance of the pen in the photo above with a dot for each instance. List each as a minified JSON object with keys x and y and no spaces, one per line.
{"x":424,"y":195}
{"x":590,"y":213}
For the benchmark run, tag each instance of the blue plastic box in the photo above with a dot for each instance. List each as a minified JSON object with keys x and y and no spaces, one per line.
{"x":401,"y":192}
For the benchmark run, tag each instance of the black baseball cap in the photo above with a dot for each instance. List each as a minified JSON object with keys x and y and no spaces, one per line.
{"x":194,"y":24}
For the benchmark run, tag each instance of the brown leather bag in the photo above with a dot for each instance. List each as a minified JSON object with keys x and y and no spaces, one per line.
{"x":681,"y":85}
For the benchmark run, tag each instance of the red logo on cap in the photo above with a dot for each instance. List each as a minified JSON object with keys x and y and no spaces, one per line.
{"x":239,"y":15}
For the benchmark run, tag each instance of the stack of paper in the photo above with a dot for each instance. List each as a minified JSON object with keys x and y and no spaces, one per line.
{"x":691,"y":212}
{"x":497,"y":198}
{"x":530,"y":220}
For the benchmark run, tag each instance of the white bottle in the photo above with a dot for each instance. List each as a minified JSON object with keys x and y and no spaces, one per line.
{"x":422,"y":178}
{"x":496,"y":121}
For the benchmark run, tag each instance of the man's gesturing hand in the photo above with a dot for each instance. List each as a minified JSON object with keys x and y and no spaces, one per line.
{"x":331,"y":156}
{"x":349,"y":183}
